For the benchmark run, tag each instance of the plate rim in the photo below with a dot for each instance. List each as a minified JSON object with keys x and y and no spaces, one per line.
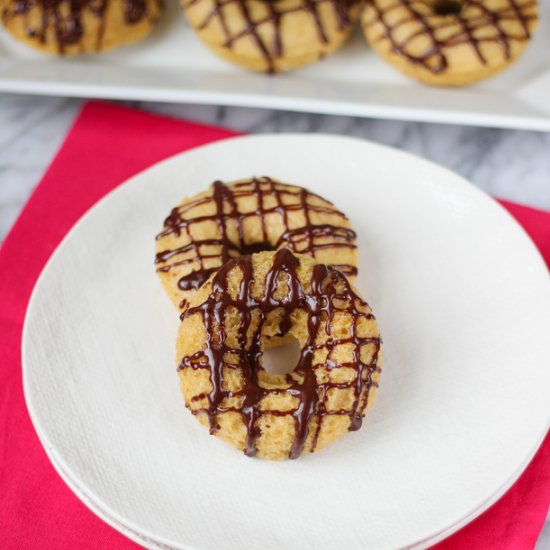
{"x":368,"y":110}
{"x":120,"y":523}
{"x":146,"y":539}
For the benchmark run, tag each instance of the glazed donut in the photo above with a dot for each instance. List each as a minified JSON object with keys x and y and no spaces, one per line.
{"x":221,"y":341}
{"x":272,"y":35}
{"x":247,"y":216}
{"x":72,"y":27}
{"x":449,"y":42}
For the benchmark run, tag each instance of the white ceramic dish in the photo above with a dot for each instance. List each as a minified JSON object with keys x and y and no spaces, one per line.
{"x":172,"y":65}
{"x":463,"y":300}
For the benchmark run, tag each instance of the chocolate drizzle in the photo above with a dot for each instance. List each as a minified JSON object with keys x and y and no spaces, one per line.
{"x":272,"y":201}
{"x":330,"y":294}
{"x":134,"y":11}
{"x":275,"y":10}
{"x":446,"y":24}
{"x":448,"y":7}
{"x":66,"y":18}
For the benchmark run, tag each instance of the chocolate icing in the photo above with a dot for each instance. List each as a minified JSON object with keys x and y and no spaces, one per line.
{"x":66,"y":18}
{"x":273,"y":49}
{"x":330,"y":292}
{"x":448,"y":7}
{"x":303,"y":240}
{"x":469,"y":17}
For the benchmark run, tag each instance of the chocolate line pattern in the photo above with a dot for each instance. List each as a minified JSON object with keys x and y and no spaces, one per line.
{"x":66,"y":17}
{"x":450,"y":23}
{"x":330,"y":293}
{"x":276,"y":11}
{"x":308,"y":239}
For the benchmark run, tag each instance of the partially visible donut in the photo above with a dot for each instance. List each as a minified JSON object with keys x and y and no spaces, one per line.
{"x":449,"y":42}
{"x":72,"y":27}
{"x":221,"y":341}
{"x":272,"y":35}
{"x":247,"y":216}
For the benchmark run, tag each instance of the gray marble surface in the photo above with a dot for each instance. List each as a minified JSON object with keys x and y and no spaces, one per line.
{"x":509,"y":164}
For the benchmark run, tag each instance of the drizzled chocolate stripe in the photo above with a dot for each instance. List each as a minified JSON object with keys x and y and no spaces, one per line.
{"x":449,"y":23}
{"x":303,"y":240}
{"x":276,"y":10}
{"x":66,"y":17}
{"x":330,"y":293}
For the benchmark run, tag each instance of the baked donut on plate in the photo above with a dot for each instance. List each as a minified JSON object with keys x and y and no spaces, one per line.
{"x":449,"y":42}
{"x":246,"y":216}
{"x":272,"y":35}
{"x":226,"y":328}
{"x":72,"y":27}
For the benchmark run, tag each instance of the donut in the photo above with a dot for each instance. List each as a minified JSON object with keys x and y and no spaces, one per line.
{"x":272,"y":35}
{"x":243,"y":217}
{"x":222,"y":337}
{"x":449,"y":42}
{"x":72,"y":27}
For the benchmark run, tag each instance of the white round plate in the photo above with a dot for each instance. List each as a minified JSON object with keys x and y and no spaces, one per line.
{"x":463,"y":301}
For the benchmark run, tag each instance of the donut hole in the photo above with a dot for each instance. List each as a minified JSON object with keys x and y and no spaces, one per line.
{"x":282,"y":359}
{"x":447,"y":7}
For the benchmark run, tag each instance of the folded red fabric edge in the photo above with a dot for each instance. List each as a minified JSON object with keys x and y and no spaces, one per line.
{"x":106,"y":145}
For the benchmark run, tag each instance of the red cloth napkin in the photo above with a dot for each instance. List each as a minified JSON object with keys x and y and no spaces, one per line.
{"x":107,"y":145}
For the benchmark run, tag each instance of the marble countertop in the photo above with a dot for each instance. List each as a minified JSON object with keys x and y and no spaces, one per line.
{"x":509,"y":164}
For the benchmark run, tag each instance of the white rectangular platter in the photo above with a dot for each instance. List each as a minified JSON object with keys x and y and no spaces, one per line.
{"x":172,"y":65}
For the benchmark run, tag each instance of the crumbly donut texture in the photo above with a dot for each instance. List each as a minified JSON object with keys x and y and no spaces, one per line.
{"x":245,"y":216}
{"x":68,"y":28}
{"x":273,"y":36}
{"x":449,"y":42}
{"x":225,"y":329}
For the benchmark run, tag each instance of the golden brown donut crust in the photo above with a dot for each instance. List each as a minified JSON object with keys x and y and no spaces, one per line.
{"x":73,"y":27}
{"x":233,"y":315}
{"x":272,"y":36}
{"x":449,"y":42}
{"x":240,"y":217}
